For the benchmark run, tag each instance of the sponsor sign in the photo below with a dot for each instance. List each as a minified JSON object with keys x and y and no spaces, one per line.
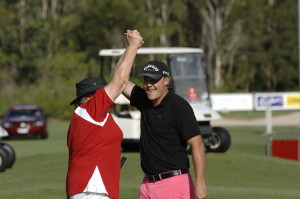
{"x":232,"y":102}
{"x":277,"y":101}
{"x":254,"y":101}
{"x":293,"y":100}
{"x":193,"y":94}
{"x":273,"y":101}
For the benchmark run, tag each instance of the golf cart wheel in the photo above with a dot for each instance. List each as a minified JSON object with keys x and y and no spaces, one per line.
{"x":219,"y":140}
{"x":3,"y":159}
{"x":11,"y":158}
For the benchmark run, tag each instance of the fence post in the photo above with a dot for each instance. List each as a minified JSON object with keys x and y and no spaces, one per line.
{"x":269,"y":129}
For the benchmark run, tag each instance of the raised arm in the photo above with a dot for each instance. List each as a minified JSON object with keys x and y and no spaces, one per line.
{"x":127,"y":91}
{"x":122,"y":71}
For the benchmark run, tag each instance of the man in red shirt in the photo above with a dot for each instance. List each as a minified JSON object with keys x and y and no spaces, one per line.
{"x":94,"y":139}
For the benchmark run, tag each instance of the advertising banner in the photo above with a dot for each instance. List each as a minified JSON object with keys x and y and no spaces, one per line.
{"x":232,"y":102}
{"x":277,"y":101}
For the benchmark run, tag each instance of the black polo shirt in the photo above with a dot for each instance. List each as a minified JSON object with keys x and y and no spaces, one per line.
{"x":164,"y":131}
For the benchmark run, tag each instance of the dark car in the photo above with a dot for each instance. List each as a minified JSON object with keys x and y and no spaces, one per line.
{"x":25,"y":120}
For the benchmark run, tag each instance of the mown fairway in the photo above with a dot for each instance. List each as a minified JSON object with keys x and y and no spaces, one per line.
{"x":244,"y":172}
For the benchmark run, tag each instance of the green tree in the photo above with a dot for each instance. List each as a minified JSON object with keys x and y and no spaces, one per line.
{"x":47,"y":46}
{"x":268,"y":59}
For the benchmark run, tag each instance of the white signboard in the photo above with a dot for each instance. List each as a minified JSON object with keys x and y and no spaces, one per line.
{"x":232,"y":102}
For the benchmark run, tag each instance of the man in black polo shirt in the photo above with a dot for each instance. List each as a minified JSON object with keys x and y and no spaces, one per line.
{"x":168,"y":124}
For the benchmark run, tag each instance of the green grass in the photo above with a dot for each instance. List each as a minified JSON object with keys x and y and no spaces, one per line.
{"x":242,"y":172}
{"x":40,"y":167}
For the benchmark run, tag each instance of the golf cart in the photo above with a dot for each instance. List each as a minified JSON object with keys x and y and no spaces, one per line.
{"x":189,"y":80}
{"x":7,"y":153}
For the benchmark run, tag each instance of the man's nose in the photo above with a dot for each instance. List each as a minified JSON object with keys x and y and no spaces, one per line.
{"x":147,"y":83}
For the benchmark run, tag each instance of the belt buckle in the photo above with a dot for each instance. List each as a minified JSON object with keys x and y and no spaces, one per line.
{"x":151,"y":178}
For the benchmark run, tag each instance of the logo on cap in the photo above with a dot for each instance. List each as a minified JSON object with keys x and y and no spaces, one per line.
{"x":166,"y":73}
{"x":151,"y":68}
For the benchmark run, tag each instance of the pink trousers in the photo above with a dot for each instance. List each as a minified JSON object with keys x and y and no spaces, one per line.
{"x":177,"y":187}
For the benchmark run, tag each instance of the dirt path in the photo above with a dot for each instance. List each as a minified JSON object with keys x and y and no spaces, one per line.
{"x":292,"y":119}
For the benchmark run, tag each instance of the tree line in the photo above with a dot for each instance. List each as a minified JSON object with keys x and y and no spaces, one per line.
{"x":47,"y":46}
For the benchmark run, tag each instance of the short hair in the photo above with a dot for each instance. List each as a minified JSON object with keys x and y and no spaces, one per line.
{"x":80,"y":101}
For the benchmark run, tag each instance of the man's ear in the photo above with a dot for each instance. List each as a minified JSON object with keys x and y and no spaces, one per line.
{"x":167,"y":81}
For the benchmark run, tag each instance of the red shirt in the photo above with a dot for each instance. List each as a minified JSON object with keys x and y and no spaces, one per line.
{"x":94,"y":140}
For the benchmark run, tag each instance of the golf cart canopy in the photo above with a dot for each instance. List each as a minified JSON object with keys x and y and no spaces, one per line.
{"x":188,"y":71}
{"x":151,"y":50}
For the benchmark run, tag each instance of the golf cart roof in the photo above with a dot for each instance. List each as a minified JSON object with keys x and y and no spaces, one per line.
{"x":151,"y":50}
